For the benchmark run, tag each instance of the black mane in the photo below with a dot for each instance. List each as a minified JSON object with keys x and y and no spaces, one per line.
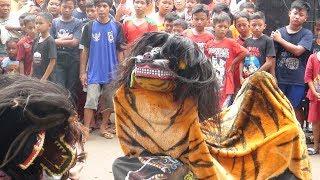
{"x":197,"y":80}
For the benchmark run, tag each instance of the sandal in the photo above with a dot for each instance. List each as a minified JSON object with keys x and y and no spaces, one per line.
{"x":106,"y":134}
{"x":312,"y":151}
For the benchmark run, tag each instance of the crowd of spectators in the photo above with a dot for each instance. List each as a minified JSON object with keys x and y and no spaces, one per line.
{"x":80,"y":43}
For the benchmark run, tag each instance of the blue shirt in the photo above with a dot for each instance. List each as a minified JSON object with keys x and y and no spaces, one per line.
{"x":72,"y":28}
{"x":290,"y":69}
{"x":77,"y":13}
{"x":103,"y":41}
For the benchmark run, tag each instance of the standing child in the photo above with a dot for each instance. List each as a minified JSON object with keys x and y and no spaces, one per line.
{"x":91,"y":11}
{"x":24,"y":55}
{"x":224,"y":54}
{"x":10,"y":65}
{"x":66,"y":31}
{"x":135,"y":26}
{"x":54,"y":8}
{"x":312,"y":77}
{"x":101,"y":40}
{"x":165,"y":7}
{"x":44,"y":49}
{"x":241,"y":22}
{"x":168,"y":21}
{"x":179,"y":26}
{"x":80,"y":11}
{"x":261,"y":49}
{"x":248,"y":7}
{"x":180,"y":7}
{"x":316,"y":42}
{"x":190,"y":4}
{"x":293,"y":44}
{"x":198,"y":34}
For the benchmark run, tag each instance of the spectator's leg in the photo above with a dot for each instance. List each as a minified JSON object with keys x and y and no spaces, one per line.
{"x":296,"y":94}
{"x":72,"y":80}
{"x":314,"y":118}
{"x":93,"y":93}
{"x":107,"y":109}
{"x":60,"y":73}
{"x":316,"y":134}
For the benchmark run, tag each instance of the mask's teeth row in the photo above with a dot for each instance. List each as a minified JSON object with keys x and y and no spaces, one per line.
{"x":153,"y":72}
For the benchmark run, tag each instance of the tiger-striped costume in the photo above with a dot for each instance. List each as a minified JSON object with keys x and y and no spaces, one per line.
{"x":258,"y":137}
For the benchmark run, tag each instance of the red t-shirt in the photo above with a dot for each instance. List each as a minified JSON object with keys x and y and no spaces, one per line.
{"x":199,"y":39}
{"x":312,"y":74}
{"x":132,"y":32}
{"x":25,"y":53}
{"x":240,"y":40}
{"x":221,"y":54}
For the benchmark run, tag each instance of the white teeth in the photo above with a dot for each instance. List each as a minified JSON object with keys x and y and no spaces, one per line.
{"x":158,"y":73}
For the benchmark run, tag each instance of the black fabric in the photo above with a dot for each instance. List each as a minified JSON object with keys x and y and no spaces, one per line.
{"x":48,"y":50}
{"x":86,"y":35}
{"x":261,"y":48}
{"x":123,"y":165}
{"x":276,"y":12}
{"x":148,"y":167}
{"x":8,"y":132}
{"x":287,"y":175}
{"x":290,"y":69}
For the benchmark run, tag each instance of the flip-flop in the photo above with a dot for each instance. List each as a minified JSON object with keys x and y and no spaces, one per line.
{"x":106,"y":134}
{"x":312,"y":151}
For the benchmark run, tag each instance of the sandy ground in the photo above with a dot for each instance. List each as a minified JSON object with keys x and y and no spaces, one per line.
{"x":102,"y":153}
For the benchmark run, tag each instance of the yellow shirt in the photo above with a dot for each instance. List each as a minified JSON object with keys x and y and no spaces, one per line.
{"x":234,"y":31}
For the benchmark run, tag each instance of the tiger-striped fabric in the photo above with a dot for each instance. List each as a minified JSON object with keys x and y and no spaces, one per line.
{"x":258,"y":137}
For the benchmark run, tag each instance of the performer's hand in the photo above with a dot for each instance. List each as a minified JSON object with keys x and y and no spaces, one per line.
{"x":84,"y":79}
